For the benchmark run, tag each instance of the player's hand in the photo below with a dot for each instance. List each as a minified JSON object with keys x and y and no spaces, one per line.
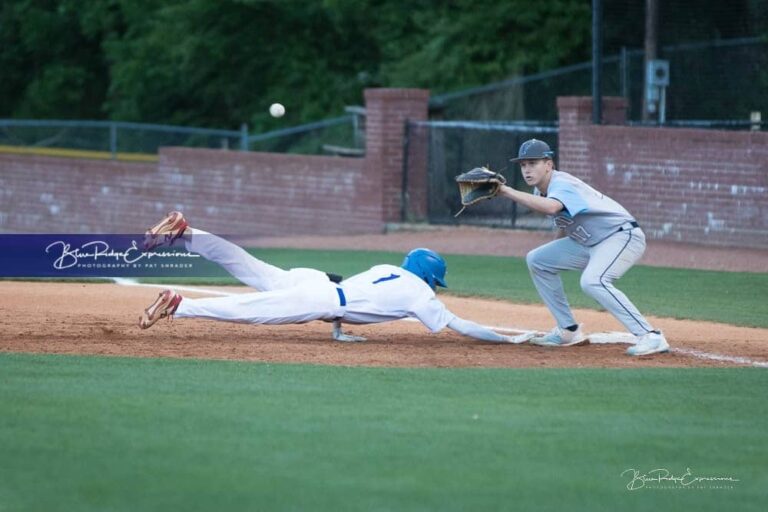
{"x":520,"y":338}
{"x":347,"y":338}
{"x":339,"y":335}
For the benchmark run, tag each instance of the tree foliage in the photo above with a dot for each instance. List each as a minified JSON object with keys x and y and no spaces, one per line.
{"x":221,"y":63}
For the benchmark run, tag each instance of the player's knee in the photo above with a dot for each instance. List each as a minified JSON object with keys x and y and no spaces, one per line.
{"x":591,"y":285}
{"x":533,"y":258}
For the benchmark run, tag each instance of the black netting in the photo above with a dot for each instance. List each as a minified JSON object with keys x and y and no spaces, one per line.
{"x":447,"y":149}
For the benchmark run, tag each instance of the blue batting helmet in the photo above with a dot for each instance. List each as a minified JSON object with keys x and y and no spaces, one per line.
{"x":428,"y":265}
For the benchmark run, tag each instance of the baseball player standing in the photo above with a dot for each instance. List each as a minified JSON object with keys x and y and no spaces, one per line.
{"x":299,"y":295}
{"x":596,"y":235}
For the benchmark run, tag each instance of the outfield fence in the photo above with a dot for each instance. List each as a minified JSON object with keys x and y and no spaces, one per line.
{"x":120,"y":140}
{"x":723,"y":80}
{"x":714,"y":84}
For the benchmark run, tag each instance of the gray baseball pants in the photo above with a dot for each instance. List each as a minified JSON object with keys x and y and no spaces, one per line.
{"x":602,"y":264}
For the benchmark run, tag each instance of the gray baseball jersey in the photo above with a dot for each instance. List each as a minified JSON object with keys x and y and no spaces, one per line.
{"x":603,"y":240}
{"x":589,"y":217}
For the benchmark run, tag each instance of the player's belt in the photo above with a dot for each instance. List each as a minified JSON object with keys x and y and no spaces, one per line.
{"x":342,"y":298}
{"x":629,"y":225}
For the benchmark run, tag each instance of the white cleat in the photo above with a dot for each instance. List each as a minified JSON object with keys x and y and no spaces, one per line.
{"x":651,"y":343}
{"x":558,"y":337}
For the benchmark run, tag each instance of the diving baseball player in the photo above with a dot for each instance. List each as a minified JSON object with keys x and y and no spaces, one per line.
{"x":380,"y":294}
{"x":595,"y":234}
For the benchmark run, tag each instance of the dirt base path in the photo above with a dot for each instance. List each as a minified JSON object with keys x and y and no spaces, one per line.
{"x":101,"y":319}
{"x":506,"y":242}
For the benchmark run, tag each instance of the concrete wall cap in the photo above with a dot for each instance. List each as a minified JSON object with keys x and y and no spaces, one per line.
{"x":388,"y":93}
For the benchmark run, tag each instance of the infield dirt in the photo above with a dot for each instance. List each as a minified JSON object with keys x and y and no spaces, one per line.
{"x":101,"y":319}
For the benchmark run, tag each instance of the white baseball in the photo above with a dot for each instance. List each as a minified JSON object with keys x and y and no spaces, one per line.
{"x":276,"y":110}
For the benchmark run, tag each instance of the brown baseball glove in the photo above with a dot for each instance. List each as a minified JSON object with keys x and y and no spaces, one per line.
{"x":478,"y":184}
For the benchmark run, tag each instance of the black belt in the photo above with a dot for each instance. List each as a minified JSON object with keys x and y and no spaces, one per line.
{"x":634,"y":225}
{"x":342,"y":298}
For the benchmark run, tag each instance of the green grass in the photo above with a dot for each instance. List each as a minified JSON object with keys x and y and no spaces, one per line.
{"x":81,"y":434}
{"x":738,"y":298}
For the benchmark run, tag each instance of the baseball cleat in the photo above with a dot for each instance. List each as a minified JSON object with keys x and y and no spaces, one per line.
{"x":165,"y":305}
{"x":651,"y":343}
{"x":165,"y":231}
{"x":558,"y":337}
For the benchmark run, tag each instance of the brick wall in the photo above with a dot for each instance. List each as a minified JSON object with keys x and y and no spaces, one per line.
{"x":229,"y":192}
{"x":699,"y":186}
{"x":41,"y":194}
{"x":234,"y":192}
{"x":268,"y":193}
{"x":386,"y":113}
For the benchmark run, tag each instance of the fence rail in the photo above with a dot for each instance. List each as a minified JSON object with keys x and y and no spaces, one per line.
{"x":722,"y":79}
{"x":118,"y":138}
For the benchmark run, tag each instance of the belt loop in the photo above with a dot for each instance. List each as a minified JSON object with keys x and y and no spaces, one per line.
{"x":632,"y":225}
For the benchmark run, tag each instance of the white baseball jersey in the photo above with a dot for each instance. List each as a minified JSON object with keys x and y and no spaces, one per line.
{"x":589,"y":217}
{"x":386,"y":292}
{"x":380,"y":294}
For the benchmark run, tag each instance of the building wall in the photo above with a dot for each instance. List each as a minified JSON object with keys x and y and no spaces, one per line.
{"x":699,"y":186}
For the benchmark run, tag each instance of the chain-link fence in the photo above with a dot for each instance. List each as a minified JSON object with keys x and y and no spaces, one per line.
{"x":106,"y":139}
{"x":113,"y":138}
{"x":342,"y":135}
{"x":710,"y":82}
{"x":449,"y":148}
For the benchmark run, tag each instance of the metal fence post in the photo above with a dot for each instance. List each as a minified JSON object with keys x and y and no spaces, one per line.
{"x":597,"y":61}
{"x":244,"y":137}
{"x":404,"y":195}
{"x":113,"y":140}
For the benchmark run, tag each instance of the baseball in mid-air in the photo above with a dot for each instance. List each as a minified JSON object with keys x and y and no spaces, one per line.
{"x":276,"y":110}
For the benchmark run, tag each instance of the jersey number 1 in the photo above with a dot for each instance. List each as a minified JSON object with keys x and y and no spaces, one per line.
{"x":388,"y":278}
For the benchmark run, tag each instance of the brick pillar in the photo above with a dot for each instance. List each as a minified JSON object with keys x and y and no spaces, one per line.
{"x":386,"y":113}
{"x":577,"y":131}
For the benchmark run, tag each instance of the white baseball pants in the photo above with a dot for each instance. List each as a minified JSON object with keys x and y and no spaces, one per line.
{"x":602,"y":264}
{"x":286,"y":296}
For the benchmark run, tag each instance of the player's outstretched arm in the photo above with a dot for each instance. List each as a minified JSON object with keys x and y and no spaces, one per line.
{"x":339,"y":335}
{"x":477,"y":331}
{"x":540,"y":204}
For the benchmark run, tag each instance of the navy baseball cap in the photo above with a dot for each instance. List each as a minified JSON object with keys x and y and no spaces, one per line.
{"x":533,"y":149}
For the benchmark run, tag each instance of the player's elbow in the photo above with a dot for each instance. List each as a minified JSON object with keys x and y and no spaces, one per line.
{"x":552,"y":207}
